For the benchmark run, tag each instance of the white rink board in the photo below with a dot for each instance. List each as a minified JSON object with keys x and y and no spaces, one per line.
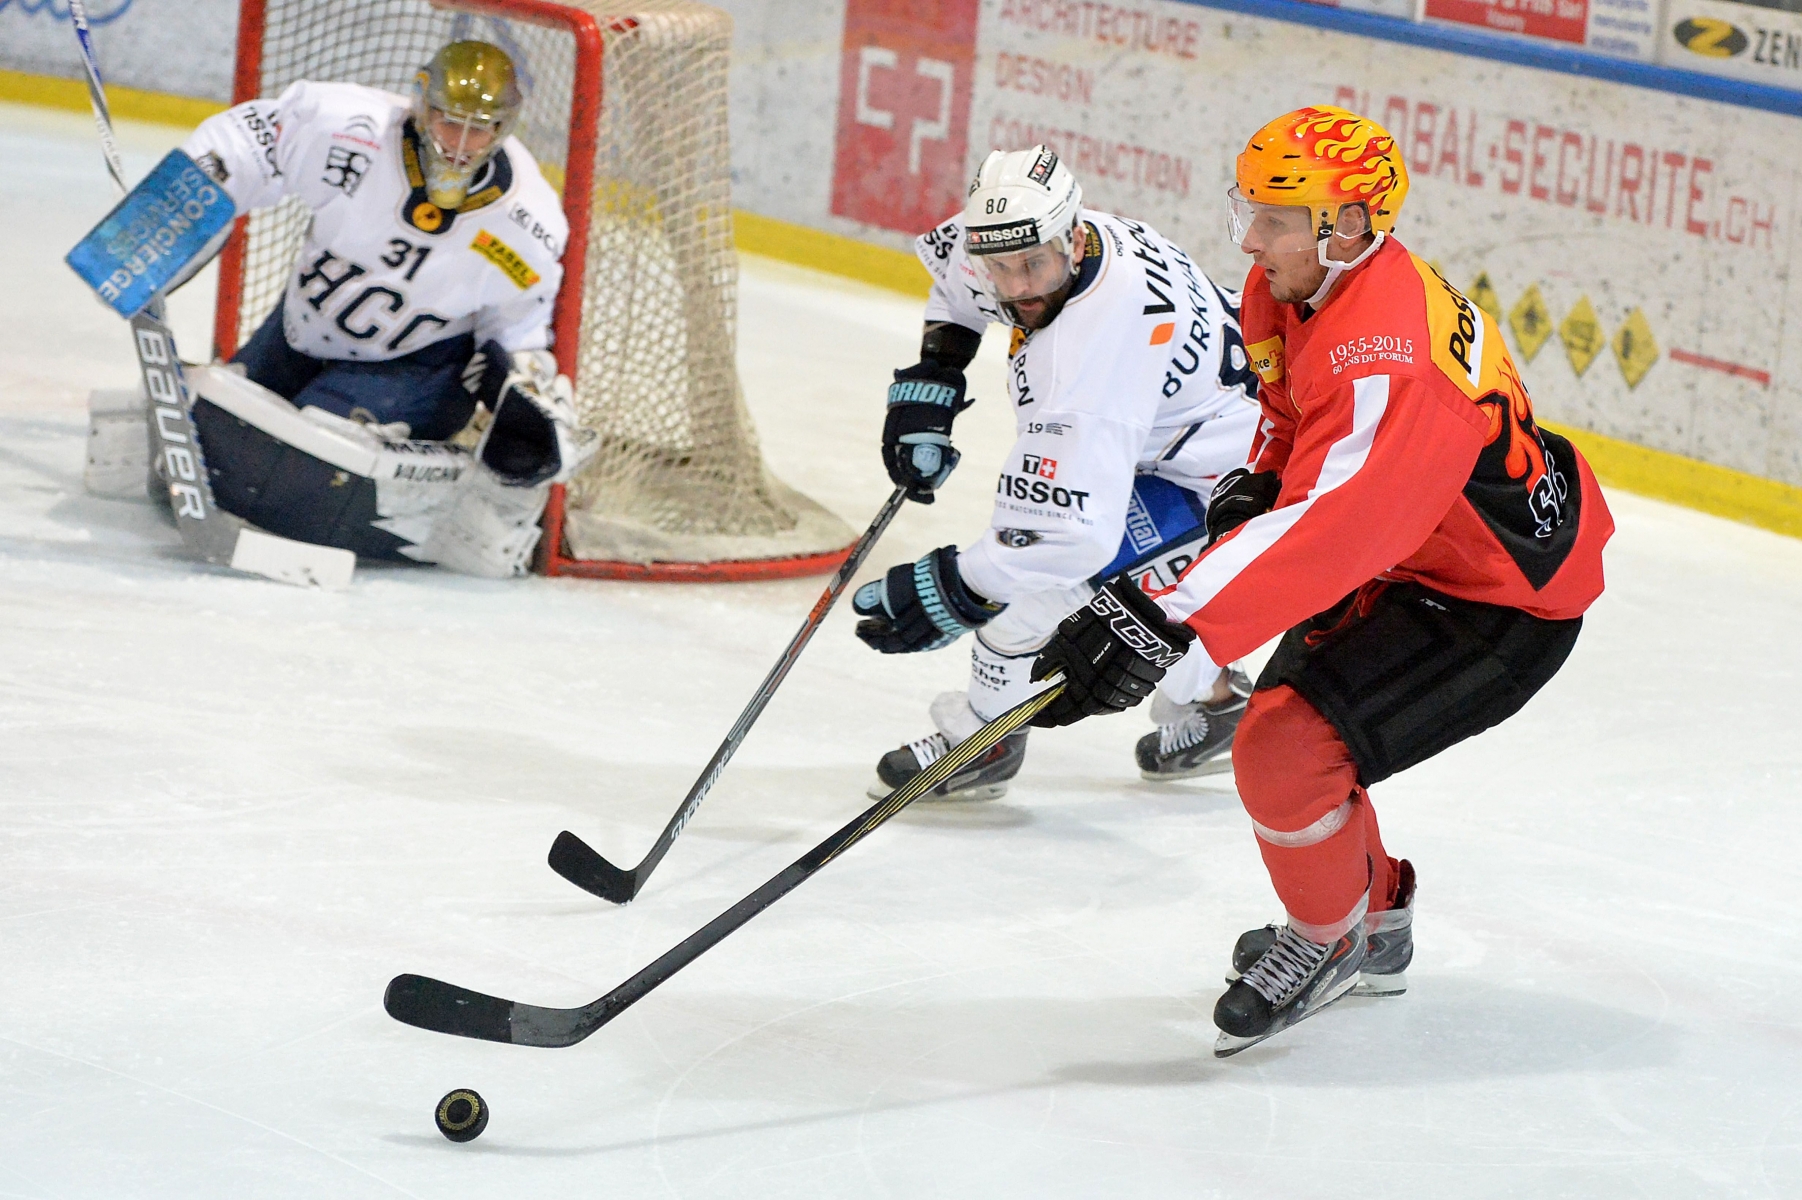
{"x":1625,"y":199}
{"x":1628,"y":198}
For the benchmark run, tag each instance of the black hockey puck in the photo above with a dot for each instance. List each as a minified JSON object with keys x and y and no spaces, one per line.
{"x":462,"y":1115}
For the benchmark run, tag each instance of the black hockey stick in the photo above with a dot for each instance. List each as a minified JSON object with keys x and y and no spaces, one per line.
{"x":446,"y":1008}
{"x":578,"y":862}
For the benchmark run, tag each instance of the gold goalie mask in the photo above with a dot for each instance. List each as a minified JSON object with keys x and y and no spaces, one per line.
{"x":465,"y":103}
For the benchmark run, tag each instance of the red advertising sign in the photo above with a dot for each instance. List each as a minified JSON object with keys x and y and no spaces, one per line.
{"x":1560,"y":20}
{"x":904,"y":111}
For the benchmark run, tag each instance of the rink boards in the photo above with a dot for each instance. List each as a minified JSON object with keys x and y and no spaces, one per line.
{"x":1633,"y":241}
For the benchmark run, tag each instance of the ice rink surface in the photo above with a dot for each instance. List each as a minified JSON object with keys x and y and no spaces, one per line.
{"x":230,"y":811}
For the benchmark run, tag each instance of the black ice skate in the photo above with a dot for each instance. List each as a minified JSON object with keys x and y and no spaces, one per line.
{"x":1388,"y":949}
{"x":1192,"y":739}
{"x":1289,"y":982}
{"x":984,"y":779}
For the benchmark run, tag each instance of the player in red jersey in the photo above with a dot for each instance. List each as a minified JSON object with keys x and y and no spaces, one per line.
{"x":1427,"y":547}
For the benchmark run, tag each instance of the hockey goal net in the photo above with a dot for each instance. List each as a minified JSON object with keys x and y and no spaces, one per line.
{"x":645,"y":323}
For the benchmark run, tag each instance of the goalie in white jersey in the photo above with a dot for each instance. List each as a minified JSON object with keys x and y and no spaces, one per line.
{"x":1132,"y":395}
{"x":425,"y":284}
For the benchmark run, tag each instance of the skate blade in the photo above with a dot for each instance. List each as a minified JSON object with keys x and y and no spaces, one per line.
{"x":1368,"y":985}
{"x":1213,"y":766}
{"x":1393,"y":984}
{"x":1227,"y":1045}
{"x":993,"y":791}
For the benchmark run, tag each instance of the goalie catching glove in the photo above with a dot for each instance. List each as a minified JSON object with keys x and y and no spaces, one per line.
{"x":1112,"y":651}
{"x":534,"y":436}
{"x":920,"y":606}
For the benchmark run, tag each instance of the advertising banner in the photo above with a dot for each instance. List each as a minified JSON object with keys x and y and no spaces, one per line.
{"x":903,"y":111}
{"x":1634,"y":244}
{"x":1754,"y":42}
{"x":1560,"y":20}
{"x":1621,"y":28}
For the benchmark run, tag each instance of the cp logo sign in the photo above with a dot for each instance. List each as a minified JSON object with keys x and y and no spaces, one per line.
{"x":904,"y":111}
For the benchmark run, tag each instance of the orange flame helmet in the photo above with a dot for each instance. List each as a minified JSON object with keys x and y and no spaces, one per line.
{"x":1325,"y":157}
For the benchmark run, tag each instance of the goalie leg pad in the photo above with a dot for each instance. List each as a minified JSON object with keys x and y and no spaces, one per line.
{"x":489,"y":528}
{"x":287,"y":491}
{"x":315,"y":477}
{"x":119,"y":455}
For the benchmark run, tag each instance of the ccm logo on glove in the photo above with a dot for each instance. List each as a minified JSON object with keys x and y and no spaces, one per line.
{"x":1135,"y":634}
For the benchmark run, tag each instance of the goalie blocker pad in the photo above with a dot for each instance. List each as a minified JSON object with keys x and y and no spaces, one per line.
{"x":156,"y":238}
{"x":315,"y":477}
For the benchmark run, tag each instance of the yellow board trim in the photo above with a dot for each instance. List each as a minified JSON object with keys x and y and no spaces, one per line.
{"x":1690,"y":482}
{"x":129,"y":104}
{"x":896,"y":270}
{"x":1735,"y":495}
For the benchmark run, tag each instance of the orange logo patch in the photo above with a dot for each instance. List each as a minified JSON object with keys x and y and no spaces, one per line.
{"x":1163,"y":333}
{"x":1267,"y":359}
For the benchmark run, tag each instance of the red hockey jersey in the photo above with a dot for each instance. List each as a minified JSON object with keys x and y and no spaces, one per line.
{"x":1408,"y":451}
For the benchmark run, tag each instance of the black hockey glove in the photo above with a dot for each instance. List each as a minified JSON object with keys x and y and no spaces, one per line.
{"x":920,"y":606}
{"x":1240,"y":495}
{"x":1112,"y":652}
{"x":916,"y":437}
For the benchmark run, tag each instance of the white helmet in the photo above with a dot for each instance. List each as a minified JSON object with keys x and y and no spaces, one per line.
{"x":1022,"y":200}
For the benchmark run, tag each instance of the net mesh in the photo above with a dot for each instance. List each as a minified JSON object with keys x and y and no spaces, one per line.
{"x":679,"y":476}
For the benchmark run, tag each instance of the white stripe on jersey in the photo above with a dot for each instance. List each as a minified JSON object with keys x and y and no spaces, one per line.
{"x":1208,"y":578}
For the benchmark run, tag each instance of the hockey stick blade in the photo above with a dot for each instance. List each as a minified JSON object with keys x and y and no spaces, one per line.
{"x":579,"y":863}
{"x":446,"y":1008}
{"x":576,"y":861}
{"x":441,"y":1007}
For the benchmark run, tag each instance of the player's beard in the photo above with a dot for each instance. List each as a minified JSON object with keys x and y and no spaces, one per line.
{"x":1043,"y":309}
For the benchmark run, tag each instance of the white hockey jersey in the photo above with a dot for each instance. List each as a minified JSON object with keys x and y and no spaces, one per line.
{"x":1143,"y":372}
{"x":383,"y":271}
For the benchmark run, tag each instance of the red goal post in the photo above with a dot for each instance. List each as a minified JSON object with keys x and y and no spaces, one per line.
{"x":679,"y":490}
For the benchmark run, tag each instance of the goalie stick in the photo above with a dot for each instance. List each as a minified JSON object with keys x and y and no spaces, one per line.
{"x":578,"y":862}
{"x":209,"y":532}
{"x":446,"y":1008}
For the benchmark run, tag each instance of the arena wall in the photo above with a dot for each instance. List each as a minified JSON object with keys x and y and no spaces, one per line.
{"x":1631,"y":225}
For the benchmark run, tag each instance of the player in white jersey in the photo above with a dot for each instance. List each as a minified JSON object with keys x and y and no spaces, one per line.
{"x":425,"y":283}
{"x":1132,"y":395}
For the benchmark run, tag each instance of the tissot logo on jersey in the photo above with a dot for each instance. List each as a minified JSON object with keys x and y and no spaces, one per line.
{"x":263,"y":128}
{"x":1045,"y":468}
{"x":1037,"y":491}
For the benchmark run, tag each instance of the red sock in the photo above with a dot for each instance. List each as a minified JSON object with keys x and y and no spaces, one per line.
{"x":1316,"y":830}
